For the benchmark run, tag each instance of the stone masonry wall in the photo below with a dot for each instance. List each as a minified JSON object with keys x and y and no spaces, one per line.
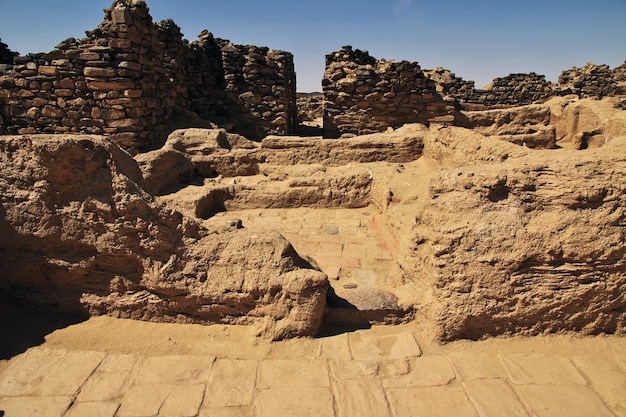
{"x":129,"y":77}
{"x":523,"y":89}
{"x":512,"y":90}
{"x":6,"y":55}
{"x":365,"y":95}
{"x":593,"y":81}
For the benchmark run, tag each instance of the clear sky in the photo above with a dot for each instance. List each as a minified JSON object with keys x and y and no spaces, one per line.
{"x":476,"y":39}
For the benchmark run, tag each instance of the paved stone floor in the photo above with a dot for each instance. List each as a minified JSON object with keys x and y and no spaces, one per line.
{"x":375,"y":372}
{"x":350,"y":245}
{"x":391,"y":371}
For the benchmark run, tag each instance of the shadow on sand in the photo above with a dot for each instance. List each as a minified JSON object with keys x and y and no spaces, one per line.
{"x":22,"y":328}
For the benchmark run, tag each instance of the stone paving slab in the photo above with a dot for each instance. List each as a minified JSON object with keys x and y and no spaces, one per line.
{"x":439,"y":401}
{"x":542,"y":369}
{"x":562,"y":400}
{"x":494,"y":398}
{"x":607,"y":378}
{"x":361,"y":397}
{"x":336,"y":378}
{"x":341,"y":241}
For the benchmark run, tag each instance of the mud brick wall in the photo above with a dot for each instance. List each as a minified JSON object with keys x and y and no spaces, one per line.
{"x":130,"y":77}
{"x":365,"y":95}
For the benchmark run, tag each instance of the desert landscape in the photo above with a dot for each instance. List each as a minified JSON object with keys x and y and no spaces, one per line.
{"x":182,"y":234}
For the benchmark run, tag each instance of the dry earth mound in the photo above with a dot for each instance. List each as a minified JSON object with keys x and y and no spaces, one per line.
{"x":79,"y":231}
{"x":490,"y":236}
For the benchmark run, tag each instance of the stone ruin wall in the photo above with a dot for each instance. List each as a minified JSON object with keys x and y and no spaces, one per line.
{"x":130,"y":77}
{"x":365,"y":95}
{"x":593,"y":81}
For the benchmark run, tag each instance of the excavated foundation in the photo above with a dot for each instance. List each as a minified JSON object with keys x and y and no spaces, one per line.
{"x":474,"y":233}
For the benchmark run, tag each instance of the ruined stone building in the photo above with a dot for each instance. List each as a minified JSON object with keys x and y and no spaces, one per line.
{"x":363,"y":94}
{"x":135,"y":80}
{"x":131,"y":78}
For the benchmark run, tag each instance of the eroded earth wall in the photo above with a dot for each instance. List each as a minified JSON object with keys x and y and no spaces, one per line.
{"x":130,"y":77}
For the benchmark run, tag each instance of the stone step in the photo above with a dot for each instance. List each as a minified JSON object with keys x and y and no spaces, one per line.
{"x":363,"y":307}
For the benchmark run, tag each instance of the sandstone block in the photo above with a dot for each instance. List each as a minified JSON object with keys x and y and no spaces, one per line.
{"x":123,"y":123}
{"x":48,"y":70}
{"x":110,"y":85}
{"x":50,"y":111}
{"x":120,"y":43}
{"x":99,"y":72}
{"x":130,"y":65}
{"x":63,"y":92}
{"x":133,"y":93}
{"x":121,"y":16}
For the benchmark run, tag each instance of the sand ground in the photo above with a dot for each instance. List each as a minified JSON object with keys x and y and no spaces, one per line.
{"x":116,"y":367}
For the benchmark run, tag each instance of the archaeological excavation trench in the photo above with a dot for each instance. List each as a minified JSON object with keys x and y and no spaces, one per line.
{"x":476,"y":212}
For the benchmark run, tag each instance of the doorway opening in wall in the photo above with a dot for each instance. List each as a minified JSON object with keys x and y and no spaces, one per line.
{"x":310,"y":114}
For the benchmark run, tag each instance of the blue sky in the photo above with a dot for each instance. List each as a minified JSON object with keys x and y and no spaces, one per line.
{"x":478,"y":40}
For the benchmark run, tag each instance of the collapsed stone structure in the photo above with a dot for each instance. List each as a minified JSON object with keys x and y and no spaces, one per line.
{"x":365,"y":95}
{"x":593,"y":81}
{"x":6,"y":55}
{"x":130,"y":78}
{"x":490,"y":237}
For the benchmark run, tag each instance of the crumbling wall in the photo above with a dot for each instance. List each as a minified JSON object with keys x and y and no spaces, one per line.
{"x":6,"y":55}
{"x":262,"y":82}
{"x":129,"y":77}
{"x":524,"y":89}
{"x":448,"y":84}
{"x":592,"y":80}
{"x":512,"y":90}
{"x":365,"y":95}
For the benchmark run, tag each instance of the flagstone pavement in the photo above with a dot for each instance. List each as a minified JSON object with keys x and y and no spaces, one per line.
{"x":360,"y":373}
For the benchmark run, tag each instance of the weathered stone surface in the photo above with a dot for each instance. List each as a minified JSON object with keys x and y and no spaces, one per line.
{"x":80,"y":232}
{"x":525,"y":125}
{"x":364,"y":95}
{"x":524,"y":243}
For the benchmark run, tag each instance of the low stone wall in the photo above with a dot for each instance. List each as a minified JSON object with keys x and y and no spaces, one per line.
{"x":129,"y":78}
{"x":365,"y":95}
{"x":6,"y":55}
{"x":524,"y":89}
{"x":449,"y":85}
{"x":509,"y":91}
{"x":593,"y":81}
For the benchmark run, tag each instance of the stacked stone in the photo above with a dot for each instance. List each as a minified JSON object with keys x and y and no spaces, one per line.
{"x":261,"y":86}
{"x":111,"y":82}
{"x":619,"y":73}
{"x":128,"y":77}
{"x":364,"y":95}
{"x":589,"y":81}
{"x":6,"y":55}
{"x":512,"y":90}
{"x":449,"y":85}
{"x":205,"y":79}
{"x":310,"y":107}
